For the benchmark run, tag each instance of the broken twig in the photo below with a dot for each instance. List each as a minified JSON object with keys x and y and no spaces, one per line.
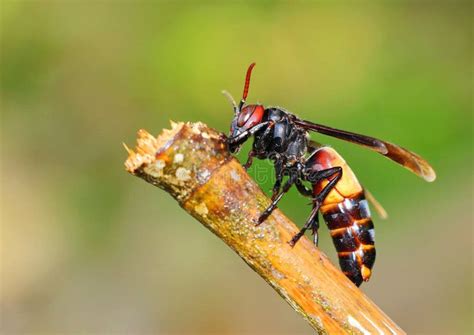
{"x":191,"y":162}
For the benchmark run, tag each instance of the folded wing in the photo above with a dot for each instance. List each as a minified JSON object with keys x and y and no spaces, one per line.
{"x":402,"y":156}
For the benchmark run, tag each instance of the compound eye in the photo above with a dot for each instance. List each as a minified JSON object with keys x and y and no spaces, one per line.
{"x":250,"y":116}
{"x":245,"y":115}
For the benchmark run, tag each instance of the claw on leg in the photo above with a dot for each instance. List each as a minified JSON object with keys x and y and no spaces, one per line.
{"x":264,"y":215}
{"x":312,"y":222}
{"x":296,"y":238}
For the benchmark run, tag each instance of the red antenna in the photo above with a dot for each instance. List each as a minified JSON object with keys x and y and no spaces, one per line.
{"x":247,"y":82}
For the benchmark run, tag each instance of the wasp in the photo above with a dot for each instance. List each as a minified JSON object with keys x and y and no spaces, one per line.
{"x":334,"y":190}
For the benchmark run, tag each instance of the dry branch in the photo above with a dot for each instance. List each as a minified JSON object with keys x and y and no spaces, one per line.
{"x":191,"y":162}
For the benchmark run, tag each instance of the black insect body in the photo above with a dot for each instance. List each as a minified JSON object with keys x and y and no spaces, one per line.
{"x":335,"y":191}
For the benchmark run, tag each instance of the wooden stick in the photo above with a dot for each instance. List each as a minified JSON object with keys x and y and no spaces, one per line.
{"x":191,"y":162}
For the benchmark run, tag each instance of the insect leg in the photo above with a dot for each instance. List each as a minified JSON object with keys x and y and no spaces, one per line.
{"x":246,"y":134}
{"x":309,"y":224}
{"x":314,"y":229}
{"x":336,"y":173}
{"x":314,"y":177}
{"x":249,"y":162}
{"x":274,"y":203}
{"x":279,"y":177}
{"x":259,"y":145}
{"x":312,"y":221}
{"x":262,"y":142}
{"x":303,"y":189}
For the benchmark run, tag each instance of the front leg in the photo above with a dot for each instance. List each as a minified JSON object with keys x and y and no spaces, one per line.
{"x":259,"y":145}
{"x":242,"y":137}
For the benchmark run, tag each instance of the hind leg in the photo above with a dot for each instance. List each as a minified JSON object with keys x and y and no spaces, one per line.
{"x":314,"y":230}
{"x":312,"y":222}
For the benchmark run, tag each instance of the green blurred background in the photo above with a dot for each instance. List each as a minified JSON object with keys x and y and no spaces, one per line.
{"x":89,"y":249}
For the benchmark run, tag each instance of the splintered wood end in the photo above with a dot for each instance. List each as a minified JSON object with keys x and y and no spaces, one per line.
{"x":148,"y":146}
{"x":178,"y":159}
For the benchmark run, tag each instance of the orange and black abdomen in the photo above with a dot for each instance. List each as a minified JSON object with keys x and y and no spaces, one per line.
{"x":347,"y":215}
{"x":352,"y":232}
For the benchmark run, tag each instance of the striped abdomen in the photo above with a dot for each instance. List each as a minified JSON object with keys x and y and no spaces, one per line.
{"x":347,"y":215}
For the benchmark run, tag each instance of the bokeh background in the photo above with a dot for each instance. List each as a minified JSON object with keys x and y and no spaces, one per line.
{"x":88,"y":249}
